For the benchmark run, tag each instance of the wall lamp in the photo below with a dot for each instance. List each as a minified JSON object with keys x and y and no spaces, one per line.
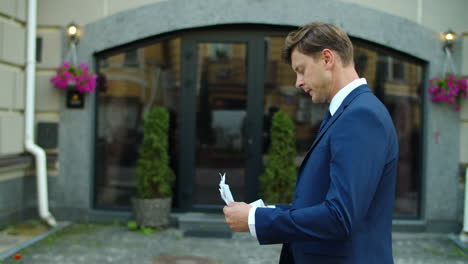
{"x":449,"y":39}
{"x":73,"y":33}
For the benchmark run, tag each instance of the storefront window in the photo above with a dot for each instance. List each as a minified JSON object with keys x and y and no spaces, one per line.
{"x":396,"y":79}
{"x":131,"y":82}
{"x":280,"y":93}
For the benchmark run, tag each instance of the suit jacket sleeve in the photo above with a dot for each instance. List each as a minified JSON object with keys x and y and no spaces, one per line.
{"x":358,"y":146}
{"x":283,"y":206}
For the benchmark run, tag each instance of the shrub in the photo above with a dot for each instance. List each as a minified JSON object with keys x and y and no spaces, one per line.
{"x":278,"y":179}
{"x":154,"y":176}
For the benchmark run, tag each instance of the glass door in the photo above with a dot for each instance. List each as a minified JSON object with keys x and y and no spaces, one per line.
{"x":223,"y":129}
{"x":221,"y":110}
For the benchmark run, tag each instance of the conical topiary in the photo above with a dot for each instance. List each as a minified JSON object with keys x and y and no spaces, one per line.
{"x":279,"y":177}
{"x":154,"y":176}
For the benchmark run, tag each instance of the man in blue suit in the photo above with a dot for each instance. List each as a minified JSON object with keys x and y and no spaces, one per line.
{"x":343,"y":201}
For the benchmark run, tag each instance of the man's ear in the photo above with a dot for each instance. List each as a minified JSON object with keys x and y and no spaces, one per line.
{"x":328,"y":58}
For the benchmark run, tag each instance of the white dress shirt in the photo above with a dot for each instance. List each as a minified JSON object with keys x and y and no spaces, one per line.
{"x":334,"y":105}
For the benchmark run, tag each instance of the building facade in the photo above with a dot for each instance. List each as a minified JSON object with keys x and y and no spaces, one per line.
{"x":216,"y":66}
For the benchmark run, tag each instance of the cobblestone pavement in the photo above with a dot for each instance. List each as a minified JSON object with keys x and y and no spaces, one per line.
{"x":91,"y":243}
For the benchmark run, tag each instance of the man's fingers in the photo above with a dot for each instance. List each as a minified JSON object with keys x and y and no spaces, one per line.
{"x":233,"y":204}
{"x":227,"y":218}
{"x":234,"y":215}
{"x":225,"y":210}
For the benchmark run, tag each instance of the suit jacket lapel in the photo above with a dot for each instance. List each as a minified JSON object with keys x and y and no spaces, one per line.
{"x":361,"y":89}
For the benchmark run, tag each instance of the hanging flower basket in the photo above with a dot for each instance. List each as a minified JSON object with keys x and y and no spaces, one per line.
{"x":80,"y":78}
{"x":451,"y":89}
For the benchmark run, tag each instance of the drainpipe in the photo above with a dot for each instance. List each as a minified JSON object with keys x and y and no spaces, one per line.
{"x":39,"y":153}
{"x":464,"y":233}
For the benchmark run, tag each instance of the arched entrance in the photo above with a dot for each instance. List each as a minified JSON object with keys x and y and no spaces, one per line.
{"x":221,"y":85}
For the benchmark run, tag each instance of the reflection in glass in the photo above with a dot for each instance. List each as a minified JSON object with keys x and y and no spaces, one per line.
{"x":396,"y":80}
{"x":130,"y":83}
{"x":281,"y":94}
{"x":221,"y":113}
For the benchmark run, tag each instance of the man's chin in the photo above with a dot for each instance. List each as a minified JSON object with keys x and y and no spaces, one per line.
{"x":316,"y":100}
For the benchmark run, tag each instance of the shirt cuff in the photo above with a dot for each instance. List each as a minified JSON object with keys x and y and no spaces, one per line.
{"x":252,"y":221}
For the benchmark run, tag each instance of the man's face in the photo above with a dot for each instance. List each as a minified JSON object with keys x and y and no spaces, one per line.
{"x":311,"y":76}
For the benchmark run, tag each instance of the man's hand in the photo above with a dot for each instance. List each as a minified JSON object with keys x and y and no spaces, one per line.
{"x":237,"y":216}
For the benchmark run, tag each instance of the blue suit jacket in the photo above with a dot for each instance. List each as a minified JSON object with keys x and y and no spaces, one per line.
{"x":343,"y":201}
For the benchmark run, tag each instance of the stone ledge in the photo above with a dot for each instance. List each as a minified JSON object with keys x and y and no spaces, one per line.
{"x":24,"y":160}
{"x":400,"y":225}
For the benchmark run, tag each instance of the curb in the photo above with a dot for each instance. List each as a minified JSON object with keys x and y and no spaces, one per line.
{"x":12,"y":251}
{"x":456,"y":240}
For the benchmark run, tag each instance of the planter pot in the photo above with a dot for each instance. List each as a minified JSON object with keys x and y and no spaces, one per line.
{"x":152,"y":212}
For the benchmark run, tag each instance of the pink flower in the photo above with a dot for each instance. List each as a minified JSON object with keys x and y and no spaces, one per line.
{"x":448,"y":89}
{"x":450,"y":83}
{"x":83,"y":67}
{"x":68,"y":75}
{"x":434,"y":90}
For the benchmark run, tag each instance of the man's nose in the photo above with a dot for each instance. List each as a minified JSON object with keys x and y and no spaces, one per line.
{"x":299,"y":83}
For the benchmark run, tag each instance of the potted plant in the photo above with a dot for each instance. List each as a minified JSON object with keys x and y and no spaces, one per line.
{"x":76,"y":81}
{"x":279,"y":177}
{"x":68,"y":76}
{"x":154,"y":176}
{"x":450,"y":89}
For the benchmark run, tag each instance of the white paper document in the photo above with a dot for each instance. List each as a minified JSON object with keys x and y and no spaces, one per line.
{"x":224,"y":190}
{"x":226,"y":194}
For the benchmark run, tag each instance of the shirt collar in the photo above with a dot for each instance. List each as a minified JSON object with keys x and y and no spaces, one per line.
{"x":341,"y":95}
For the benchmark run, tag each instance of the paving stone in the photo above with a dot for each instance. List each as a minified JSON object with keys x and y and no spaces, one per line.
{"x":117,"y":244}
{"x":183,"y":260}
{"x":7,"y":241}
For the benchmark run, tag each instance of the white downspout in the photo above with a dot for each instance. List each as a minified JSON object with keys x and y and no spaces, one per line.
{"x":39,"y":153}
{"x":464,"y":232}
